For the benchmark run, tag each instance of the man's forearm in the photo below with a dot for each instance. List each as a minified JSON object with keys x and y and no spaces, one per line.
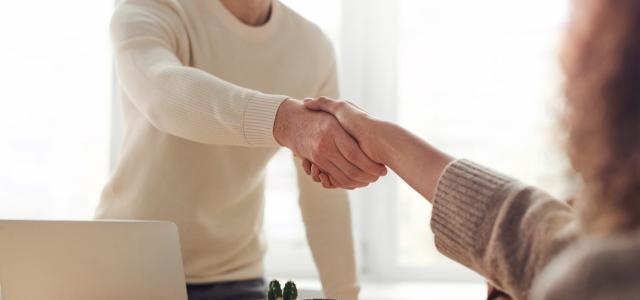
{"x":412,"y":158}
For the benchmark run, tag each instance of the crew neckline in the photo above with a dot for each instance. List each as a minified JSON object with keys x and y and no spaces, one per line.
{"x":253,"y":33}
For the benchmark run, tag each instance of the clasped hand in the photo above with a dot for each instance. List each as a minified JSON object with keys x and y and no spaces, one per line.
{"x":329,"y":151}
{"x":355,"y":121}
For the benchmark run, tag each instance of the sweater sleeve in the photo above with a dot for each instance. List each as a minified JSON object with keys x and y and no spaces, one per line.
{"x":177,"y":99}
{"x":504,"y":230}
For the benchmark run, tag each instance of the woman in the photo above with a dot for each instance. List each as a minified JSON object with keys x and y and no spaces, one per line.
{"x":520,"y":238}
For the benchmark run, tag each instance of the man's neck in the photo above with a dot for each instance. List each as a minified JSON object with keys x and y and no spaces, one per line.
{"x":250,"y":12}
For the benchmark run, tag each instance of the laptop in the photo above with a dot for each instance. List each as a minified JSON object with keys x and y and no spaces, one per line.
{"x":90,"y":260}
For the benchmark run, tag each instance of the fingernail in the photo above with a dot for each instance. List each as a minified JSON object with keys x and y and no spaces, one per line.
{"x":307,"y":100}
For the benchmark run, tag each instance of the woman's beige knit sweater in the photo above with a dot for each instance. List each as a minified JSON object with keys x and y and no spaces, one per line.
{"x":526,"y":242}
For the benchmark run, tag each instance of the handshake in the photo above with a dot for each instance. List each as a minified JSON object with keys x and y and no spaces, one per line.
{"x":335,"y":140}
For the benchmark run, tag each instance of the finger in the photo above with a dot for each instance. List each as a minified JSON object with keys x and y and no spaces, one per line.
{"x":306,"y":165}
{"x":351,"y":151}
{"x":315,"y":172}
{"x":326,"y":182}
{"x":351,"y":183}
{"x":330,"y":181}
{"x":357,"y":107}
{"x":351,"y":171}
{"x":339,"y":178}
{"x":322,"y":103}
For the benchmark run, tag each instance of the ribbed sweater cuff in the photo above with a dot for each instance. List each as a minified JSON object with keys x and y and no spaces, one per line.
{"x":259,"y":117}
{"x":464,"y":210}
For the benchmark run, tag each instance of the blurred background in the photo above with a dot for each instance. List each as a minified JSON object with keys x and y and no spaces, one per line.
{"x":469,"y":76}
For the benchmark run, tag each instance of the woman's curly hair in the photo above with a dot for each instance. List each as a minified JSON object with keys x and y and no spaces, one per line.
{"x":602,"y":65}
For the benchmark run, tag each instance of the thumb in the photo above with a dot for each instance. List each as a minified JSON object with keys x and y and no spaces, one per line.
{"x":322,"y":103}
{"x":309,"y":103}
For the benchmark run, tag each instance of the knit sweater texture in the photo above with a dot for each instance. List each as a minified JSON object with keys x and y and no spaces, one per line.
{"x":526,"y":242}
{"x":199,"y":94}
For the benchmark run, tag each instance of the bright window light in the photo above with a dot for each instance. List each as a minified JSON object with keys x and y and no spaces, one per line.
{"x":55,"y":70}
{"x":479,"y":79}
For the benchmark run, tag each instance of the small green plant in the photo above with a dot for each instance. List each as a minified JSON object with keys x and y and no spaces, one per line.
{"x":276,"y":293}
{"x":290,"y":291}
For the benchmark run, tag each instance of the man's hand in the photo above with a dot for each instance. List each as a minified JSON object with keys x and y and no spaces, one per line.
{"x":318,"y":137}
{"x":355,"y":121}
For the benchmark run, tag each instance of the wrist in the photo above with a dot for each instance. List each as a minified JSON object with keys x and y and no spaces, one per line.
{"x":392,"y":140}
{"x":282,"y":125}
{"x":382,"y":137}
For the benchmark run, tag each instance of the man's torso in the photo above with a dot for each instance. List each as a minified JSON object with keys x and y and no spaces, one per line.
{"x":214,"y":192}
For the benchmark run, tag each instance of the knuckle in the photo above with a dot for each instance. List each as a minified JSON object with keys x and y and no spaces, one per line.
{"x":318,"y":144}
{"x":351,"y":154}
{"x":354,"y":173}
{"x":324,"y":143}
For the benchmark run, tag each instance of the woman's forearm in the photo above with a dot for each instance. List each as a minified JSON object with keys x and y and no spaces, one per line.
{"x":413,"y":159}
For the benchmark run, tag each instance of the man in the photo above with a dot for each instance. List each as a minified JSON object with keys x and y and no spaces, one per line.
{"x":203,"y":85}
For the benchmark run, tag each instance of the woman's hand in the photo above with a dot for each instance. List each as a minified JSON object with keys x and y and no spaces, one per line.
{"x":355,"y":121}
{"x":412,"y":158}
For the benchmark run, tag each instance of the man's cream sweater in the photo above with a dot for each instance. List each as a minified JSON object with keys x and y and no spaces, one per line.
{"x":200,"y":91}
